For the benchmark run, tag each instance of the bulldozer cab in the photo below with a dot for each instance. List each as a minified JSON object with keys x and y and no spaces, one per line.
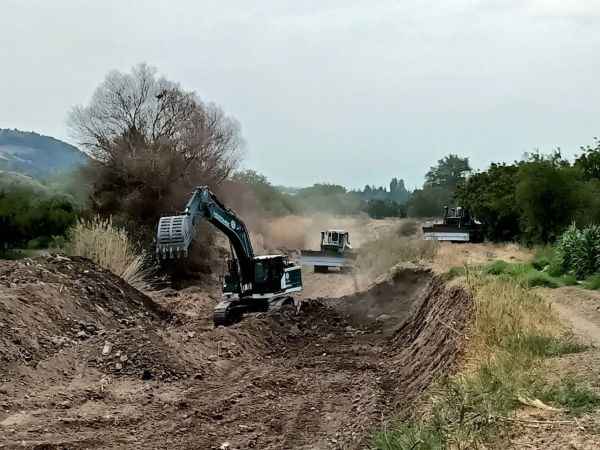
{"x":335,"y":240}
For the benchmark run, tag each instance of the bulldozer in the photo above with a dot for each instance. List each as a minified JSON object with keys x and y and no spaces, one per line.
{"x":251,"y":283}
{"x":335,"y":251}
{"x":457,"y":226}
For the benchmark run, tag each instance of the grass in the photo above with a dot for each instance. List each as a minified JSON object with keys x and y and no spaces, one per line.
{"x":529,"y":274}
{"x":110,"y":247}
{"x":545,"y":346}
{"x":592,"y":282}
{"x":513,"y":330}
{"x":408,"y":227}
{"x":570,"y":393}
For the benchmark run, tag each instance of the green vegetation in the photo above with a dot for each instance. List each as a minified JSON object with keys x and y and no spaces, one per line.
{"x":534,"y":200}
{"x":570,"y":393}
{"x":30,"y":219}
{"x":439,"y":188}
{"x":592,"y":282}
{"x":578,"y":251}
{"x":513,"y":331}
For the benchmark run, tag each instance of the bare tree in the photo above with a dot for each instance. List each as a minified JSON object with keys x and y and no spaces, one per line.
{"x":151,"y":142}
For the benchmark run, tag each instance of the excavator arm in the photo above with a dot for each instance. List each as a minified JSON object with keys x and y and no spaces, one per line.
{"x":175,"y":233}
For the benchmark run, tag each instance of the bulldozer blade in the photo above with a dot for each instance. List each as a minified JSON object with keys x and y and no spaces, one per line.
{"x":319,"y":259}
{"x":445,"y":234}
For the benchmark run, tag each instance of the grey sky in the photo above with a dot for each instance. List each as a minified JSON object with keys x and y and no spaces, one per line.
{"x":343,"y":91}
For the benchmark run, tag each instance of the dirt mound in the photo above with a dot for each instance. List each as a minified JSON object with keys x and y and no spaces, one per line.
{"x":52,"y":304}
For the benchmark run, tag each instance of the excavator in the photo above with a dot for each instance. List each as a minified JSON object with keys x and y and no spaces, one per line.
{"x":251,"y":283}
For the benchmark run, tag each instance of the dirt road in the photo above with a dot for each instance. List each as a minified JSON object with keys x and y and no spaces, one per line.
{"x":580,"y":308}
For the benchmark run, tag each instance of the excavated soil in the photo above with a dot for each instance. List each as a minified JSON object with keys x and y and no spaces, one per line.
{"x":89,"y":362}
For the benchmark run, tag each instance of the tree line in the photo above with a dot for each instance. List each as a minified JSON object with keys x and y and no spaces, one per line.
{"x":536,"y":199}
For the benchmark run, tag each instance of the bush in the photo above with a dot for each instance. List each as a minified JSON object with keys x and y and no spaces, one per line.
{"x":544,"y":256}
{"x":408,"y":228}
{"x":579,"y":250}
{"x":568,"y":280}
{"x":593,"y":282}
{"x":30,"y":219}
{"x":540,"y":279}
{"x":109,"y":247}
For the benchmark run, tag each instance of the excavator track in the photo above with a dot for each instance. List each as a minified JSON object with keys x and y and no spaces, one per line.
{"x":227,"y":313}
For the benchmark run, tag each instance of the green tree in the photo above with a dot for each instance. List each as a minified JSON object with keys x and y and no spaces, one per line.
{"x":490,"y":197}
{"x":448,"y":173}
{"x":429,"y":201}
{"x":589,"y":161}
{"x":548,"y":197}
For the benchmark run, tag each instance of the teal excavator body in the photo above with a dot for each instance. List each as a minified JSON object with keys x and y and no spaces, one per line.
{"x":251,"y":283}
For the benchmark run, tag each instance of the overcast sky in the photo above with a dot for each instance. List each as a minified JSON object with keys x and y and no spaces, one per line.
{"x":344,"y":91}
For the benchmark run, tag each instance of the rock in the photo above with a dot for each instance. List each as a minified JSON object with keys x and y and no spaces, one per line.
{"x":349,"y":329}
{"x":383,"y":317}
{"x":106,"y":349}
{"x":294,"y":330}
{"x":118,"y":366}
{"x":191,"y":334}
{"x":225,"y":446}
{"x":82,"y":335}
{"x":65,"y":404}
{"x":123,"y":358}
{"x":212,"y":357}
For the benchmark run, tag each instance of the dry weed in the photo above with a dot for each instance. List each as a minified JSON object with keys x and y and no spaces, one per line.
{"x":111,"y":248}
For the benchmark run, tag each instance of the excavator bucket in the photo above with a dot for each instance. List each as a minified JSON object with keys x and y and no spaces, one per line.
{"x":174,"y":236}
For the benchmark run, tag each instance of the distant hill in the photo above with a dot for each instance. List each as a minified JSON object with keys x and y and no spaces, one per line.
{"x":36,"y":155}
{"x":12,"y":180}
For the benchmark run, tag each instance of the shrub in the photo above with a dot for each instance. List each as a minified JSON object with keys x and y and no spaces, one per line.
{"x":579,"y":250}
{"x":568,"y":280}
{"x":593,"y":282}
{"x":408,"y":228}
{"x":109,"y":247}
{"x":535,"y":279}
{"x":543,"y":257}
{"x":497,"y":268}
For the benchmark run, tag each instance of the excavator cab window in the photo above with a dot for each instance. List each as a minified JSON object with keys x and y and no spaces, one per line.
{"x":261,"y":272}
{"x":334,"y":237}
{"x":267,"y":275}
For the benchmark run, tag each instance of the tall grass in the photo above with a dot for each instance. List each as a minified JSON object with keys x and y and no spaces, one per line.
{"x":110,"y":247}
{"x":512,"y":331}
